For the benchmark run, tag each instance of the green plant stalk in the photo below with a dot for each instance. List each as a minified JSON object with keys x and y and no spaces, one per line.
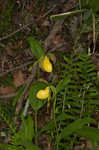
{"x":57,"y":131}
{"x":64,"y":100}
{"x":57,"y":140}
{"x":38,"y":73}
{"x":36,"y":128}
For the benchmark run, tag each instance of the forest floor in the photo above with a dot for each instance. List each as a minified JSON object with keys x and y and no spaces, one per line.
{"x":23,"y":18}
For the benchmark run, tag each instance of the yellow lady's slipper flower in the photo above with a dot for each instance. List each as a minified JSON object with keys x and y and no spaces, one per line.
{"x":46,"y":64}
{"x":43,"y":94}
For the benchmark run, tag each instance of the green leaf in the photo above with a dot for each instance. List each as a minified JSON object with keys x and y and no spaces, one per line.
{"x":52,"y":124}
{"x":34,"y":101}
{"x":68,"y":60}
{"x":94,"y":102}
{"x":36,"y":47}
{"x":26,"y":132}
{"x":14,"y":147}
{"x":30,"y":146}
{"x":63,"y":83}
{"x":73,"y":127}
{"x":4,"y":146}
{"x":28,"y":129}
{"x":94,"y":4}
{"x":90,"y":133}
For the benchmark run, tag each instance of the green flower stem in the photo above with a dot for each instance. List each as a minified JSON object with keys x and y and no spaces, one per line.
{"x":36,"y":127}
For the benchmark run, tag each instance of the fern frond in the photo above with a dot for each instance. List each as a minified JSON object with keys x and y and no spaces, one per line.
{"x":81,"y":89}
{"x":6,"y":116}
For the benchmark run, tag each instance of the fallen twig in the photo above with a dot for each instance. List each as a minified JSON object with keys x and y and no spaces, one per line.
{"x":16,"y":68}
{"x":54,"y":31}
{"x":29,"y":81}
{"x":9,"y":35}
{"x":7,"y":96}
{"x":58,"y":25}
{"x":25,"y":26}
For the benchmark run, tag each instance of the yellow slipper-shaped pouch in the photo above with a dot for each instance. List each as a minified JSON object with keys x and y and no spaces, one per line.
{"x":46,"y":64}
{"x":43,"y":94}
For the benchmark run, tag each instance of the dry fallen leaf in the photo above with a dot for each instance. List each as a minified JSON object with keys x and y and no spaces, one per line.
{"x":46,"y":23}
{"x":10,"y":52}
{"x":58,"y":39}
{"x":6,"y":90}
{"x":18,"y":78}
{"x":89,"y":144}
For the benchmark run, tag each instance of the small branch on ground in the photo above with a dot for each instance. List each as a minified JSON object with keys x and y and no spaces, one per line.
{"x":58,"y":25}
{"x":11,"y":34}
{"x":16,"y":68}
{"x":29,"y":81}
{"x":25,"y":26}
{"x":8,"y":95}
